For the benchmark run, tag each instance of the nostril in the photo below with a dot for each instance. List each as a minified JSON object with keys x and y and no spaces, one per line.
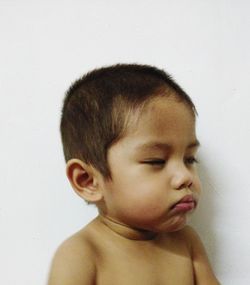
{"x":182,"y":179}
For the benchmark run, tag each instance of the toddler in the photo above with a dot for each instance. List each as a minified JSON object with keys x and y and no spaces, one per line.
{"x":129,"y":140}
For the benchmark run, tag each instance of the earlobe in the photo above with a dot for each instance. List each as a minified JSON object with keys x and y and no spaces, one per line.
{"x":83,"y":180}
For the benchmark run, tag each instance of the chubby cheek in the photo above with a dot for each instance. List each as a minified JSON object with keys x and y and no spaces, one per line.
{"x":140,"y":205}
{"x":148,"y":214}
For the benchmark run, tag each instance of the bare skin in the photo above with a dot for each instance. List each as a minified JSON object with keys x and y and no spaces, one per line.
{"x":139,"y":236}
{"x":105,"y":253}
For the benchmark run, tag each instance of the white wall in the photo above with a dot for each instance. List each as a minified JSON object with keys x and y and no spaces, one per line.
{"x":45,"y":45}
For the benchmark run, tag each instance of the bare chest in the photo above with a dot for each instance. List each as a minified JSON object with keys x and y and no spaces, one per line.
{"x":145,"y":265}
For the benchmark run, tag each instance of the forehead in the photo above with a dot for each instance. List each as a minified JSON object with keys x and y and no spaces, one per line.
{"x":162,"y":122}
{"x":163,"y":113}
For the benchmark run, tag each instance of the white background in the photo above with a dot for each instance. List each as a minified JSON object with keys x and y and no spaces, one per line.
{"x":45,"y":45}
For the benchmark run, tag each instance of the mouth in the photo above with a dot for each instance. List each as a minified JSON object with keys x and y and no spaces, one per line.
{"x":186,"y":204}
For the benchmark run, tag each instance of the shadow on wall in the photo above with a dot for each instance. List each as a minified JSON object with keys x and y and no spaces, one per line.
{"x":203,"y":219}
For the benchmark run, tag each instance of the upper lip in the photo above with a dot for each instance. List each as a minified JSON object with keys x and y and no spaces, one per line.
{"x":187,"y":199}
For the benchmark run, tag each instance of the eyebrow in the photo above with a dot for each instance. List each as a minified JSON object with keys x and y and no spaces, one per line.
{"x":164,"y":146}
{"x":194,"y":144}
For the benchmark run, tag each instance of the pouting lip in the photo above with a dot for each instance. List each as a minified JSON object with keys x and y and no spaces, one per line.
{"x":186,"y":199}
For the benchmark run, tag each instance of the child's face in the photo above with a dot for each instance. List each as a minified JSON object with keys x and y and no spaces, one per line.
{"x":152,"y":168}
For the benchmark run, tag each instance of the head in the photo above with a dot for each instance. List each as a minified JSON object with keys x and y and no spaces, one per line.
{"x":119,"y":125}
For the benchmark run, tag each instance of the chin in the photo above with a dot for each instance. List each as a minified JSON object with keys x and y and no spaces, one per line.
{"x":176,"y":229}
{"x":175,"y":225}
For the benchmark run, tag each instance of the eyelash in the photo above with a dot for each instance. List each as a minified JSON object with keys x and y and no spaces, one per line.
{"x":189,"y":160}
{"x":154,"y":162}
{"x":192,"y":160}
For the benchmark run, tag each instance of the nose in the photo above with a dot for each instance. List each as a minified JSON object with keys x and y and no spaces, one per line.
{"x":181,"y":178}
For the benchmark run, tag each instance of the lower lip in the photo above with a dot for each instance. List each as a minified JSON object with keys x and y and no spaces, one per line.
{"x":184,"y":207}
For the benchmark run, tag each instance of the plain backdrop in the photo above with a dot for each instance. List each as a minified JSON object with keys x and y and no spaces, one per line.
{"x":46,"y":45}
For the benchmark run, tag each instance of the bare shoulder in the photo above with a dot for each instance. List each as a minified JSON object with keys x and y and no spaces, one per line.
{"x":73,"y":262}
{"x":202,"y":269}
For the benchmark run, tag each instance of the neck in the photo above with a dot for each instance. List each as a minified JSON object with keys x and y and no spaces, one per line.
{"x":125,"y":230}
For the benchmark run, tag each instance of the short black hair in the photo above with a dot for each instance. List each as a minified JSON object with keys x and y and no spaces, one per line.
{"x":95,"y":108}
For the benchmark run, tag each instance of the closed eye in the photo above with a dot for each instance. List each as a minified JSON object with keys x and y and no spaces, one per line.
{"x":159,"y":162}
{"x":154,"y":162}
{"x":191,"y":160}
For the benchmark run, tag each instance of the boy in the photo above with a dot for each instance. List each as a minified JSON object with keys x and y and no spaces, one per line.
{"x":128,"y":134}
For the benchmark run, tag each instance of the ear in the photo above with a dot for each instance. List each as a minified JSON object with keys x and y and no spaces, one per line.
{"x":83,"y":179}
